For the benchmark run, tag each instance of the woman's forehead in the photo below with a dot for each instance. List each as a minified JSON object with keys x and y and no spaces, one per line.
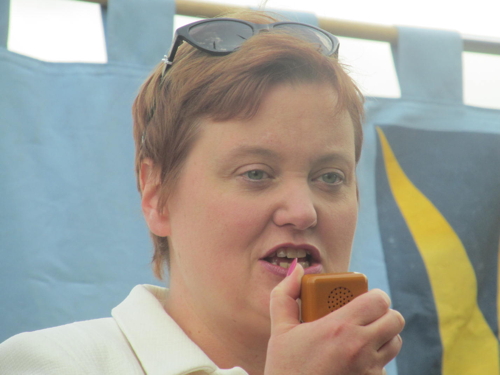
{"x":291,"y":118}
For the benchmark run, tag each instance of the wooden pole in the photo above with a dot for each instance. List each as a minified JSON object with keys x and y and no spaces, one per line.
{"x":337,"y":27}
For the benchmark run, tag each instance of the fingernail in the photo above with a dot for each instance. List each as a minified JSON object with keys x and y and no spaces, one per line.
{"x":292,"y":267}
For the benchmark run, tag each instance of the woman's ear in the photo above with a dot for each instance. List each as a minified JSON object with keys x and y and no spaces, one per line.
{"x":156,"y":217}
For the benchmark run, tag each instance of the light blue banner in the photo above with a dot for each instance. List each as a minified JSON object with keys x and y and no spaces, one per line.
{"x":72,"y":237}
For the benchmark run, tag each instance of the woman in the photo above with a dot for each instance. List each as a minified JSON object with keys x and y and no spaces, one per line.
{"x":247,"y":144}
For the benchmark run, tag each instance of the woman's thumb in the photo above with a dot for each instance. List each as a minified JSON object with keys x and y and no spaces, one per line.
{"x":284,"y":308}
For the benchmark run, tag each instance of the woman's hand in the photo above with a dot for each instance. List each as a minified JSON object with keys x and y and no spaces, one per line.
{"x":359,"y":338}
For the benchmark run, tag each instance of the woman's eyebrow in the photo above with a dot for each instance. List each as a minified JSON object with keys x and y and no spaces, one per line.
{"x":253,"y":151}
{"x":335,"y":157}
{"x":244,"y":151}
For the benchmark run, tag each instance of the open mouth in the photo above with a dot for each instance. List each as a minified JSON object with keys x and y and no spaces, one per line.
{"x":284,"y":257}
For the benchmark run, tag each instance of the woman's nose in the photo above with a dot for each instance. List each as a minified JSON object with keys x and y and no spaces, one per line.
{"x":296,"y":208}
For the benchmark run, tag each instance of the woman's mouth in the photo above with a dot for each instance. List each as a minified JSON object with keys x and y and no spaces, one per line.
{"x":284,"y":256}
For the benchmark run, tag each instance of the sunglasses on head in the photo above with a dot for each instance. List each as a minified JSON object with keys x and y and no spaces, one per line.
{"x":221,"y":36}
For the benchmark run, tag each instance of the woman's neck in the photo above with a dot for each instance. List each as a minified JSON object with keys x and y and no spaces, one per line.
{"x":227,"y":341}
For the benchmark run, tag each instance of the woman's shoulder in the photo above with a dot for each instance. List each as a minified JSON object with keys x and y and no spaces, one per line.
{"x":94,"y":346}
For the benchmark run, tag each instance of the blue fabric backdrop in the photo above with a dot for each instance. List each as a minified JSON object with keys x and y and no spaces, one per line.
{"x":72,"y":238}
{"x":429,"y":222}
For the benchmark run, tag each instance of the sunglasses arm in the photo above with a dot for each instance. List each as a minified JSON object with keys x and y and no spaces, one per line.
{"x":168,"y":59}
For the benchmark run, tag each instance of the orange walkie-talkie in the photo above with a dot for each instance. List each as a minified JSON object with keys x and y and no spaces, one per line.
{"x":323,"y":293}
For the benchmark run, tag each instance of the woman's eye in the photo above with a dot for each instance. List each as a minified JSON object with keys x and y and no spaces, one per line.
{"x":332,"y":178}
{"x":256,"y":174}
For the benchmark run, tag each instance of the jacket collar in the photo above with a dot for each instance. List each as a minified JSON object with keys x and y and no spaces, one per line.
{"x":159,"y":343}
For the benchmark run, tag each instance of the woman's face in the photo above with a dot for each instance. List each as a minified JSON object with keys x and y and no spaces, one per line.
{"x":253,"y":194}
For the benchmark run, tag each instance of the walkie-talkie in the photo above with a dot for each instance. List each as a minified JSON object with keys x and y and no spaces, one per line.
{"x":323,"y":293}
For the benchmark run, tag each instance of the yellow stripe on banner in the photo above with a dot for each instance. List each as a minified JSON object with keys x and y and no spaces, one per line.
{"x":469,"y":345}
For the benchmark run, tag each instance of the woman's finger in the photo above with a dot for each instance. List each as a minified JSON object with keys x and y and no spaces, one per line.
{"x":365,"y":309}
{"x":387,"y":327}
{"x":390,"y":349}
{"x":284,"y":309}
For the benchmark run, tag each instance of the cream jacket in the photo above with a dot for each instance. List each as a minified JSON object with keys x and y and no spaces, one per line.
{"x":140,"y":338}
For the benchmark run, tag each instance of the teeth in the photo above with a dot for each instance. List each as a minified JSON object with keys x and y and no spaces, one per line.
{"x":281,"y":253}
{"x":291,"y":253}
{"x":301,"y":253}
{"x":304,"y":264}
{"x":284,"y":264}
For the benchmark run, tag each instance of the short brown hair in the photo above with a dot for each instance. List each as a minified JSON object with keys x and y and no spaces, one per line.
{"x":167,"y":111}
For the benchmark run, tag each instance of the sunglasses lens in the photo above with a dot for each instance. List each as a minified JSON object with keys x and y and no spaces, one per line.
{"x":220,"y":36}
{"x":311,"y":35}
